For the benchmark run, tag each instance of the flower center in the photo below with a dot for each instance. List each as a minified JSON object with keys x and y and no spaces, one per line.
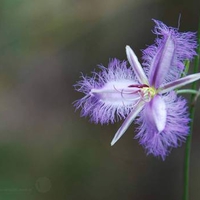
{"x":146,"y":92}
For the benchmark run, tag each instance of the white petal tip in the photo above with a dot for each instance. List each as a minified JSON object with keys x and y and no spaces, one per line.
{"x":128,"y":49}
{"x":112,"y":143}
{"x":117,"y":136}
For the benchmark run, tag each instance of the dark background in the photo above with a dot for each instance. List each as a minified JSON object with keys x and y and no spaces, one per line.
{"x":47,"y":152}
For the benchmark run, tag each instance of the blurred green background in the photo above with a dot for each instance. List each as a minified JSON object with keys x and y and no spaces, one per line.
{"x":47,"y":152}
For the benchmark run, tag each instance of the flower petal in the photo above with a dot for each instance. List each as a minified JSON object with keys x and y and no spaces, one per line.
{"x":127,"y":122}
{"x":174,"y":133}
{"x":165,"y":59}
{"x":116,"y":93}
{"x":179,"y":83}
{"x":108,"y":97}
{"x":162,"y":62}
{"x":156,"y":113}
{"x":137,"y":68}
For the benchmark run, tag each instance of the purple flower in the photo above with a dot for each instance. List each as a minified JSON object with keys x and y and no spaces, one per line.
{"x":146,"y":95}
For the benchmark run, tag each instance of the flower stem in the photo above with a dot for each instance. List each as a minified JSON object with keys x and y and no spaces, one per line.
{"x":187,"y":65}
{"x":189,"y":139}
{"x":188,"y":91}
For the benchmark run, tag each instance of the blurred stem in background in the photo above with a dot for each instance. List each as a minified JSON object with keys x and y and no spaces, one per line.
{"x":192,"y":111}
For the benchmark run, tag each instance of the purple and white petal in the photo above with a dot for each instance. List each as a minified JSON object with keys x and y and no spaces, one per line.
{"x":107,"y":95}
{"x":136,"y":66}
{"x":162,"y":61}
{"x":156,"y":113}
{"x":179,"y":83}
{"x":166,"y":58}
{"x":175,"y":131}
{"x":134,"y":113}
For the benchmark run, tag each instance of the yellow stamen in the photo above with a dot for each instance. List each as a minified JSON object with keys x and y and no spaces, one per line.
{"x":148,"y":93}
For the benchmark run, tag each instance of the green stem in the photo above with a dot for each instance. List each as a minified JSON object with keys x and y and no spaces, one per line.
{"x":187,"y":65}
{"x":188,"y":91}
{"x":189,"y":139}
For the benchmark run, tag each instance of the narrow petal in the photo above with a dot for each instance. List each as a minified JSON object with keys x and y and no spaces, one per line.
{"x":137,"y":68}
{"x":179,"y":83}
{"x":127,"y":122}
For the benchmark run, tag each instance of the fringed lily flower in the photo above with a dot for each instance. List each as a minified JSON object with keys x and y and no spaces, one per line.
{"x":144,"y":94}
